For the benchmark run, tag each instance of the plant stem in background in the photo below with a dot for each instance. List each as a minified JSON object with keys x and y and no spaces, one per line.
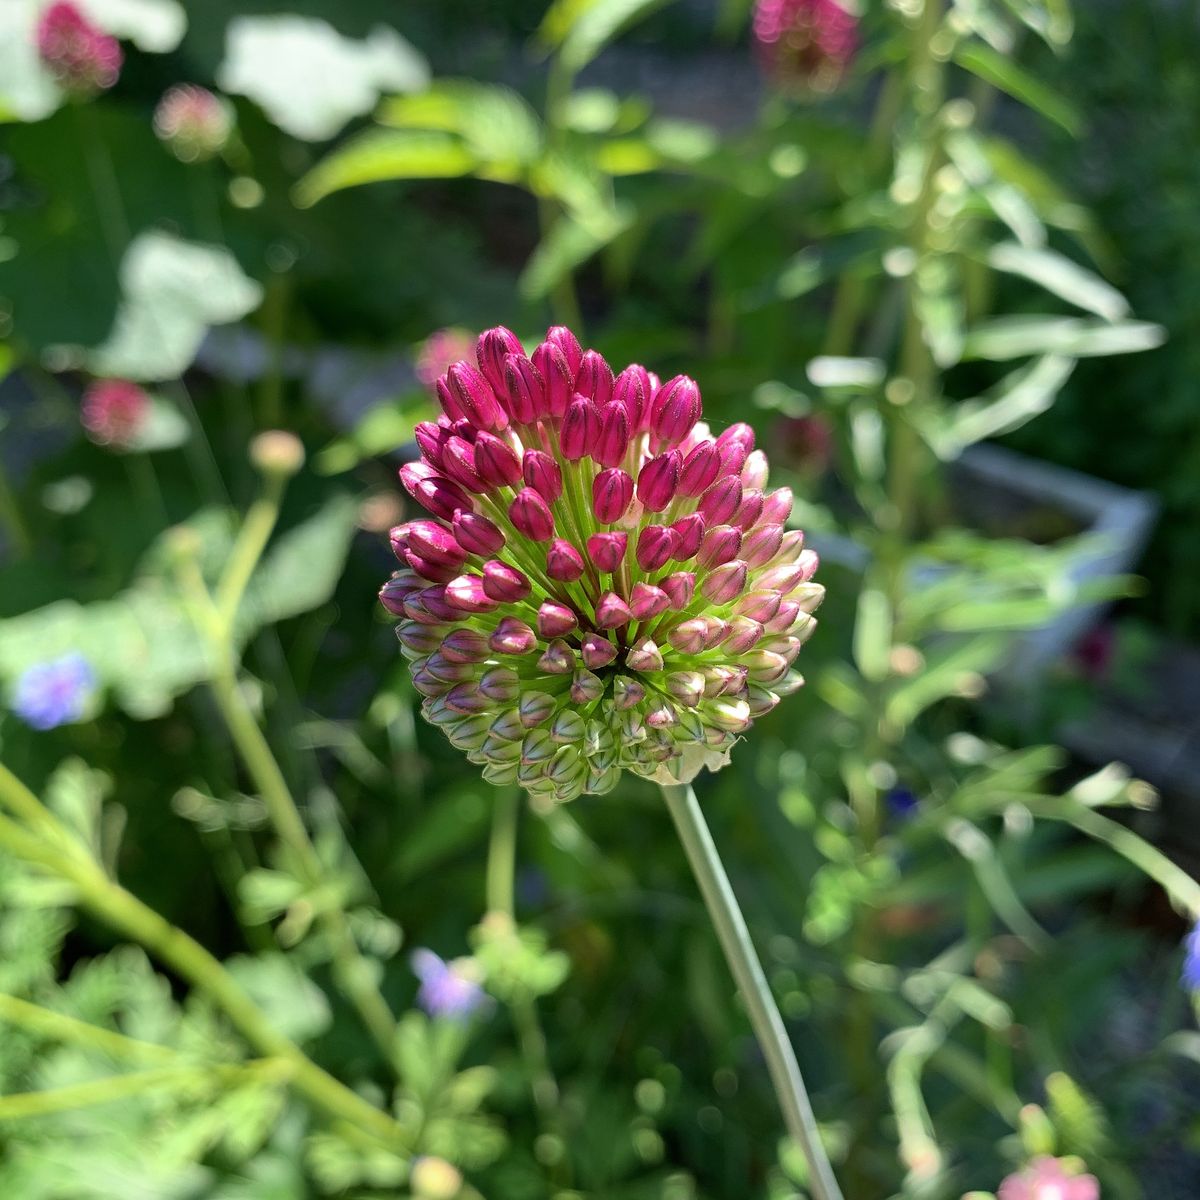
{"x":10,"y":516}
{"x":103,"y":178}
{"x":735,"y":941}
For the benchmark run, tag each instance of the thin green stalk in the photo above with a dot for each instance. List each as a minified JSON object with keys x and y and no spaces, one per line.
{"x":59,"y":1027}
{"x":253,"y":536}
{"x":747,"y":971}
{"x":502,"y":851}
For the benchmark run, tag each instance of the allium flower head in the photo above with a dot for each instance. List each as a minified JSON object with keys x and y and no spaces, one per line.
{"x":447,"y":989}
{"x":113,"y":412}
{"x":54,"y":693}
{"x":82,"y":58}
{"x":440,"y":351}
{"x":1046,"y":1179}
{"x":1191,"y":959}
{"x":805,"y":43}
{"x":602,"y":584}
{"x":192,"y":122}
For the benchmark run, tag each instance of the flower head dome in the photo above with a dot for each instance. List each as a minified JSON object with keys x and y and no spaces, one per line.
{"x":82,"y":58}
{"x":601,"y":584}
{"x":805,"y":44}
{"x":113,"y":412}
{"x":192,"y":122}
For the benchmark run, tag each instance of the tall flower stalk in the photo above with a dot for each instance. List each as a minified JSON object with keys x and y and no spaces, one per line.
{"x":604,"y":585}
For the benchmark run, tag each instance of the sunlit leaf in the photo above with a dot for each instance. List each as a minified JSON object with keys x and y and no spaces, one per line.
{"x":1016,"y":337}
{"x":1058,"y":274}
{"x":1002,"y":72}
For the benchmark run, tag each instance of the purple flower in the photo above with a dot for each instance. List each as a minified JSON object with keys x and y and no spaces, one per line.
{"x":82,"y":58}
{"x":54,"y":693}
{"x":1191,"y":959}
{"x":901,"y":803}
{"x":1046,"y":1179}
{"x":447,"y":989}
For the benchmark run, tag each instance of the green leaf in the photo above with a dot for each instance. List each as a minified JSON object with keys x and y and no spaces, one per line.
{"x":1018,"y":398}
{"x":292,"y":1002}
{"x":1059,"y":275}
{"x":942,"y":676}
{"x":873,"y":634}
{"x":383,"y":154}
{"x":859,"y":374}
{"x":582,"y":28}
{"x":1001,"y":72}
{"x":569,"y":244}
{"x":1016,"y":337}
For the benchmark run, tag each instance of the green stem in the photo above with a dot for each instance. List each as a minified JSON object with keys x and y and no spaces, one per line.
{"x":252,"y":539}
{"x":13,"y":521}
{"x":743,"y":962}
{"x":502,"y":851}
{"x":59,"y":1027}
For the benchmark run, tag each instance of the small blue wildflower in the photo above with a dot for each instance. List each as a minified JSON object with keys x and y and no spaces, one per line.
{"x":901,"y":803}
{"x":1191,"y":959}
{"x":54,"y":693}
{"x":447,"y":990}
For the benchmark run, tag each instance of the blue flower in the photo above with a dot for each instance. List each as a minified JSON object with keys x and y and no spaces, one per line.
{"x":1191,"y":959}
{"x":901,"y":803}
{"x":54,"y":693}
{"x":447,"y":989}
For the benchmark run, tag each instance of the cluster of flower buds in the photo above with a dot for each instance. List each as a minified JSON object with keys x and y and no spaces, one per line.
{"x":82,"y":58}
{"x":805,"y":44}
{"x":192,"y":122}
{"x":113,"y":412}
{"x":601,"y":584}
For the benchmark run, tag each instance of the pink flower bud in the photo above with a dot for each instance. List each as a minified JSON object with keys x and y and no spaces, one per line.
{"x":688,"y":636}
{"x":458,"y":461}
{"x":647,"y":601}
{"x":447,"y":399}
{"x":586,"y":687}
{"x":686,"y":686}
{"x":594,"y":378}
{"x":476,"y":401}
{"x":433,"y":542}
{"x":82,"y":58}
{"x":612,"y":612}
{"x":524,"y":388}
{"x":732,"y":458}
{"x":658,"y":481}
{"x":512,"y":637}
{"x":778,"y":506}
{"x":558,"y":380}
{"x":496,"y":461}
{"x":721,"y":544}
{"x":675,"y":409}
{"x":554,"y":620}
{"x":492,"y":348}
{"x":739,"y":432}
{"x":691,"y":534}
{"x":721,"y":500}
{"x":420,"y":640}
{"x":700,"y":469}
{"x":529,"y":513}
{"x":655,"y":545}
{"x":679,"y":588}
{"x":607,"y":550}
{"x":761,"y":604}
{"x":558,"y":659}
{"x":645,"y":656}
{"x":612,"y":491}
{"x":435,"y":572}
{"x":501,"y":684}
{"x":613,"y":439}
{"x":760,"y":700}
{"x":467,"y":594}
{"x":729,"y":714}
{"x":597,"y":650}
{"x":750,"y":508}
{"x":580,"y":429}
{"x":725,"y":583}
{"x":464,"y":646}
{"x":756,"y":470}
{"x":761,"y":544}
{"x":766,"y":666}
{"x":564,"y":339}
{"x":536,"y":707}
{"x":627,"y":692}
{"x":430,"y":438}
{"x":504,"y":583}
{"x":743,"y":634}
{"x":632,"y":391}
{"x":433,"y":491}
{"x":563,"y":561}
{"x":393,"y":593}
{"x":476,"y":534}
{"x":542,"y":474}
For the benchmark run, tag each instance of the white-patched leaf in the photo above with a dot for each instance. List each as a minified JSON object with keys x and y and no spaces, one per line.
{"x":1058,"y":274}
{"x":1018,"y":337}
{"x":155,"y":26}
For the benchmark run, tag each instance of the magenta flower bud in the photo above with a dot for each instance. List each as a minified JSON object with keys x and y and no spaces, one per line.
{"x":732,"y":458}
{"x":464,"y":645}
{"x":761,"y":544}
{"x":476,"y":400}
{"x":447,"y":399}
{"x":761,"y":604}
{"x":542,"y":474}
{"x":722,"y":500}
{"x":594,"y":378}
{"x":739,"y":433}
{"x":612,"y":491}
{"x":586,"y":687}
{"x":613,"y":439}
{"x":688,"y":637}
{"x":632,"y":391}
{"x":430,"y":607}
{"x":428,"y":685}
{"x":750,"y":508}
{"x":82,"y":58}
{"x":432,"y":542}
{"x":435,"y":572}
{"x":675,"y":409}
{"x":504,"y":583}
{"x":580,"y":429}
{"x":597,"y":650}
{"x":680,"y":588}
{"x":530,"y":514}
{"x":492,"y":348}
{"x":700,"y":469}
{"x":524,"y":389}
{"x":721,"y":544}
{"x":655,"y":545}
{"x":553,"y":619}
{"x":512,"y":637}
{"x":777,"y":506}
{"x":433,"y":491}
{"x":658,"y":481}
{"x":725,"y":583}
{"x":467,"y":594}
{"x":466,"y":698}
{"x":744,"y":633}
{"x":496,"y":461}
{"x":646,"y":601}
{"x":430,"y":439}
{"x":501,"y":684}
{"x":458,"y":461}
{"x":419,"y":640}
{"x":536,"y":707}
{"x":805,"y":45}
{"x":612,"y":612}
{"x":476,"y":534}
{"x":691,"y":534}
{"x":565,"y":340}
{"x":645,"y":656}
{"x":558,"y":380}
{"x":781,"y":578}
{"x":394,"y":593}
{"x":563,"y":561}
{"x":756,"y":470}
{"x":559,"y":658}
{"x":809,"y":561}
{"x":607,"y":550}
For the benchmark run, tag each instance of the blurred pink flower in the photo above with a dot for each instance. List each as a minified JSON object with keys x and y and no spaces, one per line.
{"x":1046,"y":1179}
{"x":805,"y":44}
{"x":113,"y":412}
{"x":193,"y":122}
{"x":1095,"y":651}
{"x":440,"y":351}
{"x":82,"y":58}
